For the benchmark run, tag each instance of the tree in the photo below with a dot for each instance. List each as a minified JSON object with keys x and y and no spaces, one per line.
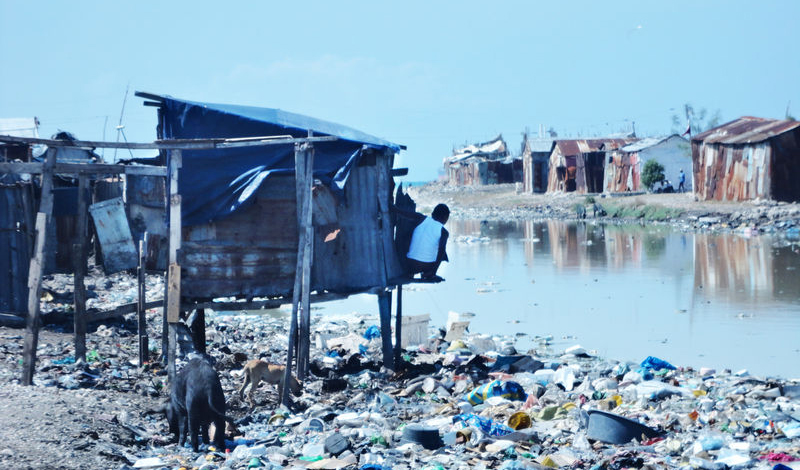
{"x":699,"y":120}
{"x":652,"y":173}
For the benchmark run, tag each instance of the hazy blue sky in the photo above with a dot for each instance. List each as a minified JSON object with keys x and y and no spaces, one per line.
{"x":430,"y":75}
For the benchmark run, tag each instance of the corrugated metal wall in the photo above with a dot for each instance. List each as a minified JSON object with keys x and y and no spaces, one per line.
{"x":16,"y":243}
{"x":254,"y":252}
{"x":732,"y":172}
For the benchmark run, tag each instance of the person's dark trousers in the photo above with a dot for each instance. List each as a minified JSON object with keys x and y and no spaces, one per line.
{"x":427,"y":269}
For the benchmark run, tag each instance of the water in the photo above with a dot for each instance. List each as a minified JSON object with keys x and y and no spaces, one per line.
{"x":625,"y":292}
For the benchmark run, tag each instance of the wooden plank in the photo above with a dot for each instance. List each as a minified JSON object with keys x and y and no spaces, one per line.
{"x":35,"y":271}
{"x":263,"y":304}
{"x":174,"y":240}
{"x":80,"y":260}
{"x":95,"y":315}
{"x":172,"y":144}
{"x":35,"y":168}
{"x":141,"y":311}
{"x":385,"y":312}
{"x":308,"y":256}
{"x":174,"y":291}
{"x":398,"y":326}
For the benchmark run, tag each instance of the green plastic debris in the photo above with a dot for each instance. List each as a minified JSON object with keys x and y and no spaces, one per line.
{"x":311,"y":459}
{"x":92,"y":356}
{"x":255,"y":462}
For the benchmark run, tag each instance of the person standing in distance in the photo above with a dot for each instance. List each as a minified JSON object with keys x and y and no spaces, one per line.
{"x":681,"y":181}
{"x":427,"y":249}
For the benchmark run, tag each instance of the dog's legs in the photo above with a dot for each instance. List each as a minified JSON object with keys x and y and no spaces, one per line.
{"x":253,"y":386}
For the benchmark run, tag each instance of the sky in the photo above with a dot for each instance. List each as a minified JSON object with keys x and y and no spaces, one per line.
{"x":431,"y":75}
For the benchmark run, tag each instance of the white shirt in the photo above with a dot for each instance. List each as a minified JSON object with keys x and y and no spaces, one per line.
{"x":425,"y":241}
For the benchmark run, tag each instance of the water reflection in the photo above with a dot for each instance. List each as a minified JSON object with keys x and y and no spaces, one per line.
{"x":626,"y":291}
{"x":707,"y":298}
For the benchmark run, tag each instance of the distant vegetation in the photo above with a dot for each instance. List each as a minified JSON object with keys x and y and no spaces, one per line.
{"x":649,"y":212}
{"x":652,"y":173}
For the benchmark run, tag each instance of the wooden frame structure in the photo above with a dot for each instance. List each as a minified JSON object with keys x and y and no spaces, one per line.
{"x":301,"y":295}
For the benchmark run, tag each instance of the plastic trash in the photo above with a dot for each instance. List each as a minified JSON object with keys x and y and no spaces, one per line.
{"x":372,"y":332}
{"x":519,"y":420}
{"x":486,"y":425}
{"x":496,"y":388}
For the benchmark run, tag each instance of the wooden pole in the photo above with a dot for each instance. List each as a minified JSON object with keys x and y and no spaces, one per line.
{"x":172,"y":294}
{"x":398,"y":327}
{"x":299,"y":172}
{"x":385,"y":246}
{"x":385,"y":311}
{"x":35,"y":271}
{"x":79,"y":260}
{"x":303,"y":358}
{"x":141,"y":309}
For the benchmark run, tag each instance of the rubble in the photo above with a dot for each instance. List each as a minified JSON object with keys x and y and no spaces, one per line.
{"x":535,"y":408}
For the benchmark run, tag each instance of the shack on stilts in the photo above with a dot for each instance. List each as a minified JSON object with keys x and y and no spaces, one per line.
{"x":261,"y":207}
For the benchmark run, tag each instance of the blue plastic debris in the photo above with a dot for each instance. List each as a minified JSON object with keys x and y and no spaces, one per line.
{"x":484,"y":424}
{"x":372,"y":333}
{"x":496,"y":388}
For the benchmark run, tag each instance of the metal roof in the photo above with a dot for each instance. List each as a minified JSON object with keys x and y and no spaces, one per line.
{"x":19,"y":127}
{"x":540,"y":145}
{"x":746,"y":130}
{"x":648,"y":142}
{"x":569,"y":147}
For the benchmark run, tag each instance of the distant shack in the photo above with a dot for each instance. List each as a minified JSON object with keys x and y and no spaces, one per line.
{"x":748,"y":158}
{"x":482,"y":164}
{"x":579,"y":165}
{"x":535,"y":154}
{"x":624,"y":167}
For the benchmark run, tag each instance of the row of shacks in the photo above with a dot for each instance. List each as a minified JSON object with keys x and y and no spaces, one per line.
{"x":747,"y":158}
{"x":256,"y":206}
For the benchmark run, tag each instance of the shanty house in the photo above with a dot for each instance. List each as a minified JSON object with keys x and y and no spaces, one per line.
{"x":481,"y":164}
{"x":535,"y":157}
{"x":624,"y":166}
{"x":239,"y":207}
{"x":748,"y":158}
{"x":578,"y":165}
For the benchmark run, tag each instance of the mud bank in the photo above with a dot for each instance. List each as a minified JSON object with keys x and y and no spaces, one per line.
{"x":505,"y":202}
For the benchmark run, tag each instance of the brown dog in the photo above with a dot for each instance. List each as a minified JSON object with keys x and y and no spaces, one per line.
{"x":257,"y":370}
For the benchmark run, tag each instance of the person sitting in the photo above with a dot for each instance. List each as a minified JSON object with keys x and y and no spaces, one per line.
{"x":428,"y":242}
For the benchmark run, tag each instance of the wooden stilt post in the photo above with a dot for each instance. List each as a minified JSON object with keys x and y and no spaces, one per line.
{"x":79,"y":261}
{"x":385,"y":311}
{"x":35,"y":270}
{"x":398,"y":325}
{"x":304,"y":333}
{"x":299,"y":329}
{"x":141,"y":309}
{"x":172,"y":304}
{"x":385,"y":245}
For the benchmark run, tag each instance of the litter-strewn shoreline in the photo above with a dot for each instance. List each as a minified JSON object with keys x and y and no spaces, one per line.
{"x":505,"y":202}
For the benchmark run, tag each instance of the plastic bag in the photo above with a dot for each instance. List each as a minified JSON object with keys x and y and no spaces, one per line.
{"x":496,"y":388}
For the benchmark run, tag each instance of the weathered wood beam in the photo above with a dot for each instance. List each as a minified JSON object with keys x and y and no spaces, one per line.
{"x":172,"y":144}
{"x":84,"y":169}
{"x":141,"y":310}
{"x":172,"y":294}
{"x":398,"y":326}
{"x":80,"y":260}
{"x":304,"y":357}
{"x":35,"y":271}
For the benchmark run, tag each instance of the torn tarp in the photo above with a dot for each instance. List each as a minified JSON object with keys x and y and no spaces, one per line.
{"x":215,"y":183}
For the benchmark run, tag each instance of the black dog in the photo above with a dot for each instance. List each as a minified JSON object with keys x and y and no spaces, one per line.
{"x":196,"y":401}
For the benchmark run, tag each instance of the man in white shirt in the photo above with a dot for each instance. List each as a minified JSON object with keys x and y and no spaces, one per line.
{"x":427,"y":249}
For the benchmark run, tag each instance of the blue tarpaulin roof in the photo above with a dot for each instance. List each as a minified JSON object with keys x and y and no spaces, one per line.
{"x":216,"y":183}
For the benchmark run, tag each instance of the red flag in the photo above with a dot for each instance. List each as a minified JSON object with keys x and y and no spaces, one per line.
{"x":688,"y":129}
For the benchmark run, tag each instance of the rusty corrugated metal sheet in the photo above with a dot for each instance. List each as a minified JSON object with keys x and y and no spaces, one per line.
{"x":746,"y":130}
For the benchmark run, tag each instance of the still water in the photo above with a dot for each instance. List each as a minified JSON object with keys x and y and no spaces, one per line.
{"x":623,"y":292}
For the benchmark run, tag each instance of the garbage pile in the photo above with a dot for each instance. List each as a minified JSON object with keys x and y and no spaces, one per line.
{"x":469,"y":401}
